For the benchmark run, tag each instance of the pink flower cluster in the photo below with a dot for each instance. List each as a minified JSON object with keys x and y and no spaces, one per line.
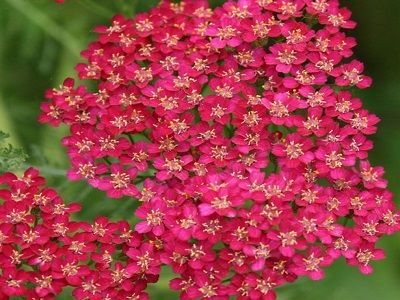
{"x":237,"y":131}
{"x":42,"y":250}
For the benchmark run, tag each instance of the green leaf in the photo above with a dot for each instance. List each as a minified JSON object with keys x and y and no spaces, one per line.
{"x":10,"y":158}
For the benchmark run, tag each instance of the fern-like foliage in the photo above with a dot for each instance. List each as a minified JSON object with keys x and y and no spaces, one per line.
{"x":11,"y":158}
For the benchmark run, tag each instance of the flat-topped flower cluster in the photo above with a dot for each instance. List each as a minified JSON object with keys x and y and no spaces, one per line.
{"x":237,"y":131}
{"x":42,"y":250}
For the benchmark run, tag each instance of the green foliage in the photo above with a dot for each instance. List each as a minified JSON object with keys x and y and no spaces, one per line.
{"x":10,"y":158}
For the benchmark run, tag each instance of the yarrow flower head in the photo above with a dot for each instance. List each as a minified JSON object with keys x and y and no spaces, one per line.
{"x":237,"y":132}
{"x":44,"y":251}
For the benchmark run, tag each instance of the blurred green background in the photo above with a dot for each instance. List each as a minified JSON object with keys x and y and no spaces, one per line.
{"x":40,"y":44}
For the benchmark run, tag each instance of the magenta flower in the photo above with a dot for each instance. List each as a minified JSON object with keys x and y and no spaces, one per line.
{"x":153,"y":212}
{"x":364,"y":255}
{"x":350,"y":74}
{"x":144,"y":260}
{"x":372,"y":176}
{"x":294,"y":150}
{"x":119,"y":183}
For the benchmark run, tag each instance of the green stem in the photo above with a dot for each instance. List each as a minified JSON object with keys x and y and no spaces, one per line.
{"x":47,"y":170}
{"x":107,"y":160}
{"x":140,"y":179}
{"x":226,"y":280}
{"x":130,"y":137}
{"x":38,"y":17}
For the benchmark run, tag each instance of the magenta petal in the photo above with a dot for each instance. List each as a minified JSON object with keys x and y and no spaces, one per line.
{"x":287,"y":251}
{"x":217,"y":43}
{"x":206,"y":209}
{"x":158,"y":230}
{"x":317,"y":275}
{"x":258,"y":265}
{"x":132,"y":269}
{"x":142,"y":227}
{"x":163,"y":175}
{"x":366,"y":269}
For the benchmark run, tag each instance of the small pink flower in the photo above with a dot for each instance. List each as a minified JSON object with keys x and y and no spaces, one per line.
{"x":293,"y":151}
{"x":153,"y":213}
{"x":227,"y":34}
{"x":350,"y":75}
{"x":174,"y":166}
{"x":280,"y":109}
{"x":284,"y":57}
{"x":372,"y":176}
{"x":336,"y":17}
{"x":312,"y":263}
{"x":364,"y":255}
{"x":120,"y":182}
{"x":144,"y":260}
